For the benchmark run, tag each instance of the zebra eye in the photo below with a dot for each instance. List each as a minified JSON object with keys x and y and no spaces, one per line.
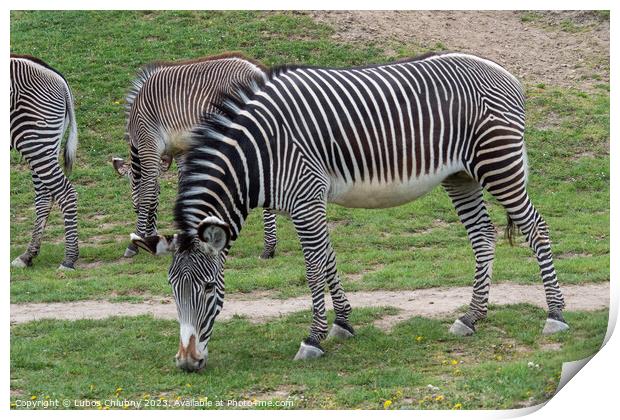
{"x":208,"y":288}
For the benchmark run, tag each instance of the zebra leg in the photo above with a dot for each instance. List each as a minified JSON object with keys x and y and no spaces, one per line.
{"x":151,"y":225}
{"x":149,"y":189}
{"x":341,"y":329}
{"x":522,"y":213}
{"x":466,"y":195}
{"x":311,"y":226}
{"x":43,"y":202}
{"x":269,"y":220}
{"x":65,"y":195}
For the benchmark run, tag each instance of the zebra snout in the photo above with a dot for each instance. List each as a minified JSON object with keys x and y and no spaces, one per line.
{"x":190,"y":365}
{"x":188,"y":358}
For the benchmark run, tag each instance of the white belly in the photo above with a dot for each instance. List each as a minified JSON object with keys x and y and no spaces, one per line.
{"x":381,"y":195}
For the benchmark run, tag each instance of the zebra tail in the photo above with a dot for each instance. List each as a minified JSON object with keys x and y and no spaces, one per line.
{"x":72,"y":139}
{"x":511,"y":229}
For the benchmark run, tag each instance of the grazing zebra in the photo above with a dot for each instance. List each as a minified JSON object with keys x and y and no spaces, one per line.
{"x":369,"y":137}
{"x":41,"y":111}
{"x":166,"y":101}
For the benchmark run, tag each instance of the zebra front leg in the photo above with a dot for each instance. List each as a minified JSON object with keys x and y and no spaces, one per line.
{"x":311,"y":227}
{"x":269,"y":221}
{"x":43,"y":205}
{"x":151,"y":225}
{"x":341,"y":329}
{"x":147,"y":203}
{"x":466,"y":195}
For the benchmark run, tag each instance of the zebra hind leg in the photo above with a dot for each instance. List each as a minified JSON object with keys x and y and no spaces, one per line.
{"x":522,"y":213}
{"x":65,"y":195}
{"x":466,"y":195}
{"x":43,"y":205}
{"x":341,"y":329}
{"x":269,"y":220}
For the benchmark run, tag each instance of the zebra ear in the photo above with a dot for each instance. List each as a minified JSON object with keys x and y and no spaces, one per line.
{"x":157,"y":244}
{"x":120,"y":166}
{"x":214,"y":233}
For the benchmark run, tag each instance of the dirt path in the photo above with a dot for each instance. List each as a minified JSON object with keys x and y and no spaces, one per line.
{"x":433,"y":302}
{"x":560,"y":48}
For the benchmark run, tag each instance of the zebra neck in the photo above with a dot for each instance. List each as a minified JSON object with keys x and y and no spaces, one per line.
{"x":226,"y":181}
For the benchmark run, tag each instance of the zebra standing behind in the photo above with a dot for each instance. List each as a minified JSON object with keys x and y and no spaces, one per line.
{"x":368,"y":137}
{"x":166,"y":101}
{"x":41,"y":111}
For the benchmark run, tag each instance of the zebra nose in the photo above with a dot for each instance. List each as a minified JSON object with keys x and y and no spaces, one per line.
{"x":189,"y":364}
{"x":188,"y":358}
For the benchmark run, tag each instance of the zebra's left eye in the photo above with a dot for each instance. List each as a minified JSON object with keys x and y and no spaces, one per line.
{"x":208,"y":287}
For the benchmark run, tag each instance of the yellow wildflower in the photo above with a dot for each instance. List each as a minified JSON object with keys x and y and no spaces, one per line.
{"x":419,"y":338}
{"x":387,"y":404}
{"x":33,"y":397}
{"x":439,"y":398}
{"x":454,"y":362}
{"x":457,"y":406}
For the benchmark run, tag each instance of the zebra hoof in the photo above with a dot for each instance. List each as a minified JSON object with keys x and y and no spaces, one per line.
{"x":308,"y":351}
{"x":63,"y":267}
{"x":267,"y":254}
{"x":19,"y":263}
{"x":341,"y":331}
{"x":553,"y":326}
{"x":461,"y":329}
{"x":130,"y":252}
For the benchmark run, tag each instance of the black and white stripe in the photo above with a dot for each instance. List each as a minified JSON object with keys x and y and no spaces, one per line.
{"x":371,"y":137}
{"x":167,"y":99}
{"x":41,"y":112}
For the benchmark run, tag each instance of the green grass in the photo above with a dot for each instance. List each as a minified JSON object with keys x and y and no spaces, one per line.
{"x":421,"y":244}
{"x":92,"y":359}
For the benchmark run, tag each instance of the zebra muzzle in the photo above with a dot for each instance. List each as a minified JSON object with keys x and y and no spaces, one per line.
{"x":188,"y":358}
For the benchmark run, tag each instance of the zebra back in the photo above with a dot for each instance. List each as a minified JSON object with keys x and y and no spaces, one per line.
{"x":23,"y":71}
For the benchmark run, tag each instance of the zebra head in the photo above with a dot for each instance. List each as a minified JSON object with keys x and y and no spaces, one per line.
{"x":196,"y":277}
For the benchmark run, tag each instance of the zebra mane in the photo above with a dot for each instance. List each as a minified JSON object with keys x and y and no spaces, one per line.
{"x":143,"y":75}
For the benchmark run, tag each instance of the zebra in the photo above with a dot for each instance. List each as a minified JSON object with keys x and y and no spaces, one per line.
{"x":164,"y":103}
{"x":41,"y":111}
{"x":367,"y":137}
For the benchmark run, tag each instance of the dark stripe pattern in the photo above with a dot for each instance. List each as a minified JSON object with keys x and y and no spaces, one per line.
{"x":41,"y":111}
{"x":165,"y":102}
{"x":370,"y":137}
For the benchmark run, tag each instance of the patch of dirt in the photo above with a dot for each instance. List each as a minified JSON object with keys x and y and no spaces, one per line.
{"x":411,"y":303}
{"x":336,"y":223}
{"x":570,"y":255}
{"x":106,"y":238}
{"x":437,"y":224}
{"x":359,"y":276}
{"x":551,"y":346}
{"x":536,"y":51}
{"x":586,"y":154}
{"x":17,"y":392}
{"x":96,"y":264}
{"x":282,"y":392}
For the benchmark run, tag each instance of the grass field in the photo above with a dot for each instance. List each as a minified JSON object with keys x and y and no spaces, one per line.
{"x":421,"y":244}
